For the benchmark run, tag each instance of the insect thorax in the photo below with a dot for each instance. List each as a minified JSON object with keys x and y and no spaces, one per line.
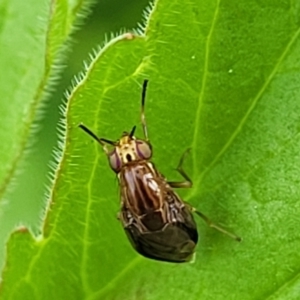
{"x":146,"y":198}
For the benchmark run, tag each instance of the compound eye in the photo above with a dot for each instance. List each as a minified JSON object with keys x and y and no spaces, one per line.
{"x":143,"y":149}
{"x":114,"y":161}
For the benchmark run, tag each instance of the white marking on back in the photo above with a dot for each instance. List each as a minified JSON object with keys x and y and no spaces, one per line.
{"x":149,"y":180}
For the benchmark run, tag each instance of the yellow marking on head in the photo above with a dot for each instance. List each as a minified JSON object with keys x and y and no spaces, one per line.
{"x":125,"y":140}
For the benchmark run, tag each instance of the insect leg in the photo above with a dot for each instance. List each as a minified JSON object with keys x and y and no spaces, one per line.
{"x":211,"y":224}
{"x":143,"y":119}
{"x":187,"y":184}
{"x":182,"y":184}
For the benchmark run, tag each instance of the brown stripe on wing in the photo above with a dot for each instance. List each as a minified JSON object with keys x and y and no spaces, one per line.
{"x":141,"y":188}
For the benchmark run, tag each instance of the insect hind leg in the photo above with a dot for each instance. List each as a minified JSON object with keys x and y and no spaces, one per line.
{"x":211,"y":224}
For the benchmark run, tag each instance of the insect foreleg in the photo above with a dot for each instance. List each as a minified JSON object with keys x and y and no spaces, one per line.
{"x":182,"y":184}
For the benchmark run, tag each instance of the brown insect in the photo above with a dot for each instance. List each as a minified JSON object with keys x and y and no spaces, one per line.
{"x":158,"y":223}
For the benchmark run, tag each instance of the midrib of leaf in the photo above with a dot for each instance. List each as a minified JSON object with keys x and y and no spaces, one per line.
{"x":111,"y":284}
{"x":248,"y":112}
{"x":203,"y":85}
{"x":282,"y":289}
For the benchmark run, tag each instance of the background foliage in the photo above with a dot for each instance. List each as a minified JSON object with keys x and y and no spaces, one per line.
{"x":224,"y":80}
{"x":24,"y":197}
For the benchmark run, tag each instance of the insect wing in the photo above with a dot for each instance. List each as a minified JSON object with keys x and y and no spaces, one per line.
{"x":155,"y":219}
{"x":176,"y":242}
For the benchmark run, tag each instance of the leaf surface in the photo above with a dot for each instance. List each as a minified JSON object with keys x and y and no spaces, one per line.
{"x":223,"y":79}
{"x":32,"y":39}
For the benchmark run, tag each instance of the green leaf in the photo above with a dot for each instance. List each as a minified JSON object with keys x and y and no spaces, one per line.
{"x":223,"y":79}
{"x":32,"y":39}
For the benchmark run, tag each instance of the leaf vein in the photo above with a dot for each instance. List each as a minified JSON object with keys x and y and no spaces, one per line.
{"x":204,"y":79}
{"x":252,"y":106}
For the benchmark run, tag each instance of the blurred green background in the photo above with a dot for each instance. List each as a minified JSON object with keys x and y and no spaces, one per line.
{"x":25,"y":203}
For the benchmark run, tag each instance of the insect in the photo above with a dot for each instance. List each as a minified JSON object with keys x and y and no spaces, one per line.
{"x":158,"y":223}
